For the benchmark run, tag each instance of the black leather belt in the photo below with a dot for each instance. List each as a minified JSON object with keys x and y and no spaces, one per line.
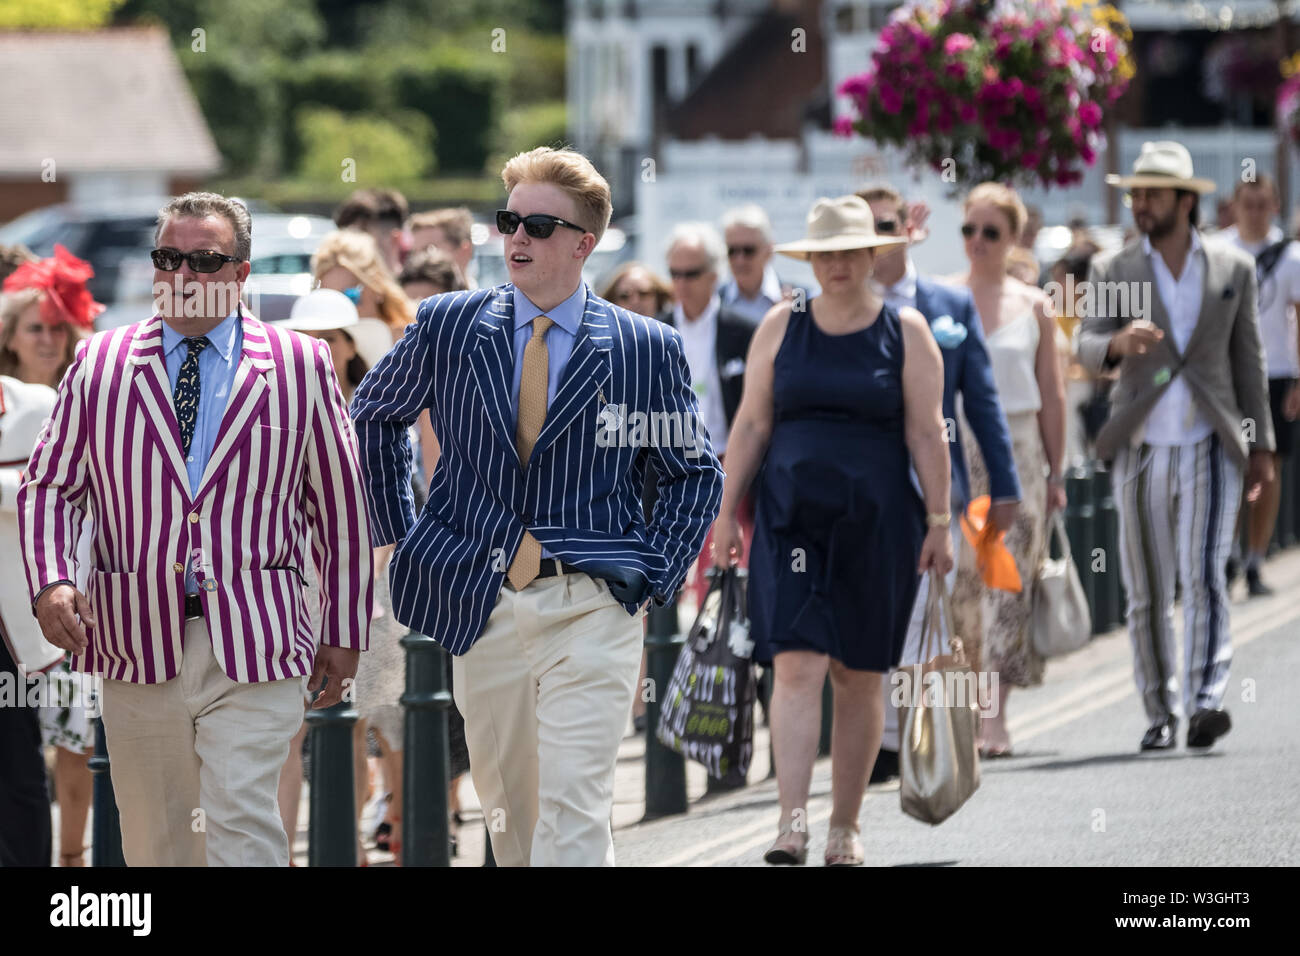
{"x":193,"y":607}
{"x":552,"y":567}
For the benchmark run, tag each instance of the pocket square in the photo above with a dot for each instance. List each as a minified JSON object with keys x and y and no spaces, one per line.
{"x":733,"y":368}
{"x":948,"y":332}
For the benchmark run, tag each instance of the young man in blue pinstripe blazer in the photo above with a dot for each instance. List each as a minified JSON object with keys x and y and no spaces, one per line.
{"x":532,"y":562}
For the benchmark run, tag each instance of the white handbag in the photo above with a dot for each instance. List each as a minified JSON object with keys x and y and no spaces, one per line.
{"x":1062,"y":621}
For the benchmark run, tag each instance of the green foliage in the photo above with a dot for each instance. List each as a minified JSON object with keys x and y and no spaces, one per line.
{"x":523,"y":128}
{"x":383,"y":150}
{"x":249,"y":29}
{"x":460,"y":93}
{"x":536,"y":62}
{"x":56,"y":14}
{"x":240,"y":107}
{"x":342,"y":81}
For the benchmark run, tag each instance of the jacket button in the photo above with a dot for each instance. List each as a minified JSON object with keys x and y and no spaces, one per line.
{"x":194,"y":519}
{"x":178,"y":567}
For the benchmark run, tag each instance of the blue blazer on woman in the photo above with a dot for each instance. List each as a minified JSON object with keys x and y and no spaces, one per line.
{"x":624,"y":397}
{"x":966,"y":368}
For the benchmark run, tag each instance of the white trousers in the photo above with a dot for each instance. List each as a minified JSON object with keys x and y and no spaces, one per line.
{"x":912,"y":646}
{"x":546,"y":693}
{"x":1177,"y":509}
{"x":196,"y":761}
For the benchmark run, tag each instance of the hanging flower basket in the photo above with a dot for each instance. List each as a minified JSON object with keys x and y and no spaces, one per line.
{"x":1288,"y":99}
{"x":1013,"y":90}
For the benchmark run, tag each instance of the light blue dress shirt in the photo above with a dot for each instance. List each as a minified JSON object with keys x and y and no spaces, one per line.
{"x":217,"y":366}
{"x":567,"y":318}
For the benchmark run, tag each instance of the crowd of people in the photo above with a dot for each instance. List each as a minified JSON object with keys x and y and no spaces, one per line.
{"x":428,"y":463}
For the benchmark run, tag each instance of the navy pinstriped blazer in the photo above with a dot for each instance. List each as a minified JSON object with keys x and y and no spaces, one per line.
{"x":581,"y":493}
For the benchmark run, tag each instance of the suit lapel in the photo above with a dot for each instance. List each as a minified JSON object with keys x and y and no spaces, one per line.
{"x":247,"y":396}
{"x":1212,"y":283}
{"x":154,"y":391}
{"x":492,"y":360}
{"x":1141,"y":264}
{"x":586,"y":372}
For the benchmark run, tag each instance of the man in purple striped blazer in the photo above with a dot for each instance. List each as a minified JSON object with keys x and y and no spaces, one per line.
{"x":206,"y":449}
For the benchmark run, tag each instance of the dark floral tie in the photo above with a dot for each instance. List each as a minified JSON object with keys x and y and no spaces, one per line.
{"x":185,"y":397}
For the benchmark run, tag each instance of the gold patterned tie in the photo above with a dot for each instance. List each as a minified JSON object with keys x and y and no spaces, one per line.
{"x":532,"y":415}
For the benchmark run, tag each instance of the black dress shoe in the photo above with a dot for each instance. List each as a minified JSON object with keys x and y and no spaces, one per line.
{"x":1255,"y":584}
{"x":1232,"y":571}
{"x":886,"y":767}
{"x":1207,"y":726}
{"x":1160,"y":736}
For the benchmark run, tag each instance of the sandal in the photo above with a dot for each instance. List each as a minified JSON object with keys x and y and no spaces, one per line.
{"x":843,"y":848}
{"x":788,"y":848}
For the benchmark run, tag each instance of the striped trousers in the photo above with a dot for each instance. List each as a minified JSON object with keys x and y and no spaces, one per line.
{"x":1177,"y":509}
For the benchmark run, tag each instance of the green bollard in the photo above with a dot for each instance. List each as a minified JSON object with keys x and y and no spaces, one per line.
{"x":828,"y":713}
{"x":106,"y":831}
{"x":332,"y":826}
{"x":1106,"y":580}
{"x":426,"y":767}
{"x":1080,"y":517}
{"x":665,"y":771}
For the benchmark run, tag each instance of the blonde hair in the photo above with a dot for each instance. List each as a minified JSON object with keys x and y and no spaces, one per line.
{"x":1022,"y":265}
{"x":1005,"y":200}
{"x":12,"y":306}
{"x":455,"y":223}
{"x":572,"y":173}
{"x":358,"y":252}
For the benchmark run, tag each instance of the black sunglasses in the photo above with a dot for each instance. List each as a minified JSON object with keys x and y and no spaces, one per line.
{"x":991,"y":233}
{"x":886,"y":226}
{"x":538,"y":225}
{"x":203,"y":260}
{"x":687,"y":273}
{"x":746,"y":251}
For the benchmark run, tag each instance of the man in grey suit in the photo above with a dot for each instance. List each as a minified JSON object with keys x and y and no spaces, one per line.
{"x":1189,"y":416}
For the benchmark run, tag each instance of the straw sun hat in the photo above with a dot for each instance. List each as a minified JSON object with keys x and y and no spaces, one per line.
{"x":838,"y":224}
{"x":1163,"y":164}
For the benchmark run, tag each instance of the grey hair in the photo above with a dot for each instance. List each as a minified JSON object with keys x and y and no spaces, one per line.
{"x":703,"y":235}
{"x":202,"y":205}
{"x":751,"y":216}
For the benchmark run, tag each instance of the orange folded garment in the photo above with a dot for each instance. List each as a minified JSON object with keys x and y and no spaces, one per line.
{"x":997,"y":566}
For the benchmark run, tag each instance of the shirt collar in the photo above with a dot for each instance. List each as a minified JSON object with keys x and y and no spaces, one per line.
{"x":707,"y":316}
{"x":222,"y":338}
{"x":769,"y":288}
{"x":567,"y":315}
{"x":1195,"y":246}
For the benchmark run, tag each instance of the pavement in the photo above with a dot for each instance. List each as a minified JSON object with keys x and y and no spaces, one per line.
{"x":1077,"y":792}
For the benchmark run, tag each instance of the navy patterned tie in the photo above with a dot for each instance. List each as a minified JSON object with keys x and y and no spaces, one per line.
{"x":185,"y":397}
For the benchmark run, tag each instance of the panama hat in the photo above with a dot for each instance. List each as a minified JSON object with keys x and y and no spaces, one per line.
{"x":1163,"y":164}
{"x":838,"y":224}
{"x":323,"y":309}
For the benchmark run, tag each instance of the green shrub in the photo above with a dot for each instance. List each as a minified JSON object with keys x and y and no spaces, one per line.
{"x":383,"y":150}
{"x":460,"y":93}
{"x":346,"y":82}
{"x":239,"y":105}
{"x":540,"y":124}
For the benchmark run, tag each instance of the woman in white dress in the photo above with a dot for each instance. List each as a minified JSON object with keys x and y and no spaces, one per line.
{"x":1021,"y":330}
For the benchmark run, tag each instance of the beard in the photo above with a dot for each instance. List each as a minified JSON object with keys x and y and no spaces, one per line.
{"x":1161,"y":226}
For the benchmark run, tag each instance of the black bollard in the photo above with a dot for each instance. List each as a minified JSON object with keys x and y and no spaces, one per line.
{"x":332,"y":826}
{"x":1106,"y":584}
{"x":665,"y":771}
{"x":426,"y":764}
{"x":1284,"y":527}
{"x":1080,"y":517}
{"x":106,"y":831}
{"x":828,"y":713}
{"x":488,"y":858}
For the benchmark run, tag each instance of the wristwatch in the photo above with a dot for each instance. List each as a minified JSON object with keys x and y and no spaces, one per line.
{"x":933,"y":520}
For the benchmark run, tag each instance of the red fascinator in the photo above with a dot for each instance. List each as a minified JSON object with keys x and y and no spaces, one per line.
{"x":63,"y":278}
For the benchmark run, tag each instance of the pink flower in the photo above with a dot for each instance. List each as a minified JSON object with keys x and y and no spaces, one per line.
{"x":956,"y":69}
{"x":856,"y":86}
{"x":844,"y":126}
{"x":957,"y":43}
{"x":1090,"y":115}
{"x":966,"y":112}
{"x":1030,"y":159}
{"x":890,"y":99}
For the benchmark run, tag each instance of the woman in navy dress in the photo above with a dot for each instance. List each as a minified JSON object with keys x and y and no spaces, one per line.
{"x":842,"y":398}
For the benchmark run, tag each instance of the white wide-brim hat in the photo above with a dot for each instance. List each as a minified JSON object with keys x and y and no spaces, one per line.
{"x":838,"y":224}
{"x":1163,"y":164}
{"x":324,"y":309}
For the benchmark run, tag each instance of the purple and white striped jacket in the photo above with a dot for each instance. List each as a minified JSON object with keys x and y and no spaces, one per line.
{"x":284,"y":466}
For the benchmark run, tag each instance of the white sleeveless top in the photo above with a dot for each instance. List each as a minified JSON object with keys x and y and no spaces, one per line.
{"x":1013,"y":350}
